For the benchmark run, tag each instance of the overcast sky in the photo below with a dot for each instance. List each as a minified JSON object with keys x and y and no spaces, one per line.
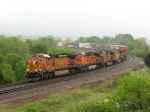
{"x":75,"y":18}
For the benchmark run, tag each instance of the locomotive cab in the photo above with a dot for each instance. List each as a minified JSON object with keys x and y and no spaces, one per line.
{"x":37,"y":65}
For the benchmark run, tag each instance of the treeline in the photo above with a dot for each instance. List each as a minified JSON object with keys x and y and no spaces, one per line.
{"x":14,"y":53}
{"x":137,"y":47}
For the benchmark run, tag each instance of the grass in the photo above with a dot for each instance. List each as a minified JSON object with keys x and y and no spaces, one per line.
{"x":63,"y":101}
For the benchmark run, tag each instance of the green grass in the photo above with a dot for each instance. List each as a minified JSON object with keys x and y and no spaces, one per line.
{"x":63,"y":101}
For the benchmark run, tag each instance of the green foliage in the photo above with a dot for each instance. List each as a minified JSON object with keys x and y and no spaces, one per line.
{"x":137,"y":47}
{"x":1,"y":74}
{"x":9,"y":45}
{"x":67,"y":100}
{"x":61,"y":51}
{"x":12,"y":69}
{"x":81,"y":40}
{"x":95,"y":106}
{"x":131,"y":45}
{"x":123,"y":39}
{"x":132,"y":95}
{"x":18,"y":65}
{"x":93,"y":39}
{"x":29,"y":42}
{"x":147,"y":59}
{"x":120,"y":39}
{"x":106,"y":40}
{"x":48,"y":41}
{"x":36,"y":108}
{"x":137,"y":52}
{"x":14,"y":45}
{"x":38,"y":48}
{"x":133,"y":92}
{"x":13,"y":54}
{"x":141,"y":43}
{"x":1,"y":57}
{"x":7,"y":74}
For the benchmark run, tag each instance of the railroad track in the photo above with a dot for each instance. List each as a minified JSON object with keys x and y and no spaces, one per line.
{"x":9,"y":88}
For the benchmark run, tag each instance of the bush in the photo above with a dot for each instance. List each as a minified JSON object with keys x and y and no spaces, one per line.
{"x":133,"y":92}
{"x":147,"y":59}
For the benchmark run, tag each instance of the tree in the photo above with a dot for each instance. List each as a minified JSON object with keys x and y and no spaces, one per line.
{"x":81,"y":40}
{"x":47,"y":41}
{"x":38,"y":48}
{"x":6,"y":72}
{"x":29,"y":42}
{"x":18,"y":66}
{"x":123,"y":39}
{"x":141,"y":43}
{"x":147,"y":59}
{"x":92,"y":39}
{"x":131,"y":45}
{"x":14,"y":45}
{"x":106,"y":40}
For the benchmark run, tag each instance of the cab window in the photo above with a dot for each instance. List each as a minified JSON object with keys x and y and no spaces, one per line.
{"x":33,"y":58}
{"x":80,"y":56}
{"x":41,"y":58}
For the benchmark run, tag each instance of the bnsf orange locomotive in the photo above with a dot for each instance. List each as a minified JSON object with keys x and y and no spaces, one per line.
{"x":41,"y":66}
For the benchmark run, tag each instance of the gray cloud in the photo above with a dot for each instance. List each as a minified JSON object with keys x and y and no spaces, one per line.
{"x":75,"y":17}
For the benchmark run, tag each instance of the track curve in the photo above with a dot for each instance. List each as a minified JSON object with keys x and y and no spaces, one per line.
{"x":59,"y":84}
{"x":9,"y":88}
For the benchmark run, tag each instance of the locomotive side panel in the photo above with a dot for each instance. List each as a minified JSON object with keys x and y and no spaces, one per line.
{"x":61,"y":63}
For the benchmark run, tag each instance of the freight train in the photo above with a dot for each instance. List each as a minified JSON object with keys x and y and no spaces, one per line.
{"x":43,"y":66}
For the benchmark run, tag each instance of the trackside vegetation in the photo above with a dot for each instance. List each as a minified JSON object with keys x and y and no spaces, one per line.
{"x":14,"y":52}
{"x":129,"y":93}
{"x":132,"y":95}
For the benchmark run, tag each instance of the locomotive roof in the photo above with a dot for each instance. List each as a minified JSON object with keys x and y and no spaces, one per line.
{"x":46,"y":55}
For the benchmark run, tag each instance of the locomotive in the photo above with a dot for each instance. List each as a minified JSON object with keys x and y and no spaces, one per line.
{"x":43,"y":66}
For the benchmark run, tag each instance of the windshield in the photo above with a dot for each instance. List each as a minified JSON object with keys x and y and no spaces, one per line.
{"x":33,"y":58}
{"x":41,"y":58}
{"x":80,"y":56}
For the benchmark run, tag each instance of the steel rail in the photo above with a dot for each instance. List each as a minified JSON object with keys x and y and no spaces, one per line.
{"x":28,"y":85}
